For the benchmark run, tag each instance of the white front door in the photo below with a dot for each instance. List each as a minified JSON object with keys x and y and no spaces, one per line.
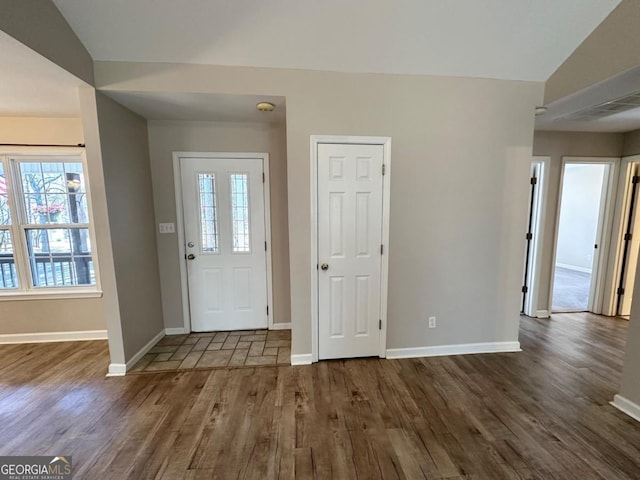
{"x":224,"y":222}
{"x":350,"y":187}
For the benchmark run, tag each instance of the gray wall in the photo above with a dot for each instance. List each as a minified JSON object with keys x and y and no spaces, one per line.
{"x":40,"y":26}
{"x":557,"y":145}
{"x":111,"y":307}
{"x":127,"y":179}
{"x":41,"y":130}
{"x":168,"y":137}
{"x":631,"y":143}
{"x":457,"y":207}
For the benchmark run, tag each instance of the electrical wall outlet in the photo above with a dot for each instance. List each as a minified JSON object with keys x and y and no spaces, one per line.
{"x":432,"y":322}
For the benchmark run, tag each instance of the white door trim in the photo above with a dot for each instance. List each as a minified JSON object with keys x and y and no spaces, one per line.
{"x":177,"y":183}
{"x":540,"y":215}
{"x":596,"y":296}
{"x":617,"y":235}
{"x":384,"y":277}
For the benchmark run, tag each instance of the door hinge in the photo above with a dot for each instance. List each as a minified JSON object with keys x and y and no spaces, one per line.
{"x":267,"y":310}
{"x":534,"y":180}
{"x":529,"y":236}
{"x":620,"y":291}
{"x":635,"y":179}
{"x":381,"y":249}
{"x":380,"y":324}
{"x":263,"y":179}
{"x":265,"y":246}
{"x":627,"y":236}
{"x":384,"y":169}
{"x":525,"y":289}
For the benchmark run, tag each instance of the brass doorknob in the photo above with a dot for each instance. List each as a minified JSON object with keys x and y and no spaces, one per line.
{"x":191,"y":256}
{"x":324,"y":266}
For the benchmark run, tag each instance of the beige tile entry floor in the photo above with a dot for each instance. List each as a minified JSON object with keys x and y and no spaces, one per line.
{"x":246,"y":348}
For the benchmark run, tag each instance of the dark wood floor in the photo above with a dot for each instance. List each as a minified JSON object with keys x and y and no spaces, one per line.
{"x":539,"y":414}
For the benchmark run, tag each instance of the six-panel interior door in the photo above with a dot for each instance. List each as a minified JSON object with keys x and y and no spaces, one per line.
{"x":350,"y":189}
{"x":224,"y":221}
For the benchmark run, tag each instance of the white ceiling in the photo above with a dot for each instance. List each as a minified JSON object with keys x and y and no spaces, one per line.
{"x":200,"y":106}
{"x":507,"y":39}
{"x":32,"y":86}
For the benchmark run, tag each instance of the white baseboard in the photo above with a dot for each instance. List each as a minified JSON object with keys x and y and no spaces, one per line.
{"x":626,"y":406}
{"x":120,"y":369}
{"x":542,"y":314}
{"x":53,"y":337}
{"x":143,"y":351}
{"x":573,"y":267}
{"x":304,"y":359}
{"x":176,"y":331}
{"x":117,"y":370}
{"x":281,"y":326}
{"x":462,"y":349}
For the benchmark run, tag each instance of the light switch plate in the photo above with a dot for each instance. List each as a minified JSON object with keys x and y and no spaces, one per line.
{"x":167,"y":228}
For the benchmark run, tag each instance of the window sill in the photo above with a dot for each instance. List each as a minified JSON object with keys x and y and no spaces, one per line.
{"x":62,"y":294}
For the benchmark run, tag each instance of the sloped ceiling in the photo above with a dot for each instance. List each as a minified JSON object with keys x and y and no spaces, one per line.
{"x":584,"y":93}
{"x":506,"y":39}
{"x":31,"y":85}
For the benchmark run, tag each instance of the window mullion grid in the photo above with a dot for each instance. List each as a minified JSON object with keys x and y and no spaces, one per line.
{"x":20,"y":227}
{"x":23,"y":260}
{"x":72,"y":254}
{"x":10,"y":227}
{"x":3,"y":270}
{"x":18,"y":217}
{"x":20,"y":256}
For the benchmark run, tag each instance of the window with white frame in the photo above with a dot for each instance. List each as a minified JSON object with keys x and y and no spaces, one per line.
{"x":45,"y":225}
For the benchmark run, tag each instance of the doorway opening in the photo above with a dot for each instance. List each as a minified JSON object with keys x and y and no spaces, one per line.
{"x":580,"y":240}
{"x":533,"y":237}
{"x":629,"y":247}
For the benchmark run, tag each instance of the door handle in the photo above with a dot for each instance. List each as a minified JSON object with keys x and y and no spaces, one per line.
{"x":191,"y":256}
{"x":324,"y":266}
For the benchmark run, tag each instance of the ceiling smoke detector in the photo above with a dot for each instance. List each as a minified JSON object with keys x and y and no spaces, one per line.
{"x":265,"y":107}
{"x":540,"y":110}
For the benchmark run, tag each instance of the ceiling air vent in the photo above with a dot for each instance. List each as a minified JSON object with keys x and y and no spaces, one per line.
{"x":605,"y":109}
